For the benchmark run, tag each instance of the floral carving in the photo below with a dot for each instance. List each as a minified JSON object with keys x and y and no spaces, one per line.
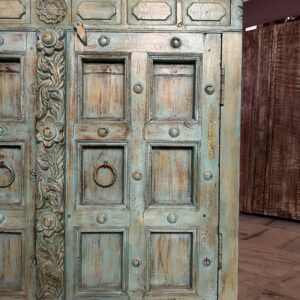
{"x":51,"y":11}
{"x":50,"y":164}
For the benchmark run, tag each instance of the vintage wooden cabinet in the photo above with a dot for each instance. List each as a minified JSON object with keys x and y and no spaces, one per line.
{"x":119,"y":147}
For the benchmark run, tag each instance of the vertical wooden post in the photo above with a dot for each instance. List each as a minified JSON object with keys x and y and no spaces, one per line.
{"x":50,"y":122}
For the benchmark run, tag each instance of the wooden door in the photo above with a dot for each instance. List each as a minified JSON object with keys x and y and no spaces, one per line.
{"x":17,"y":187}
{"x":142,"y":177}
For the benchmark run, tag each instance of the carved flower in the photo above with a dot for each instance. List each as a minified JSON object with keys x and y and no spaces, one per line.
{"x":51,"y":11}
{"x":49,"y":222}
{"x":50,"y":40}
{"x":49,"y":131}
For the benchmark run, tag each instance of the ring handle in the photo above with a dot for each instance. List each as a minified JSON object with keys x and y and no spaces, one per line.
{"x":98,"y":180}
{"x":3,"y":165}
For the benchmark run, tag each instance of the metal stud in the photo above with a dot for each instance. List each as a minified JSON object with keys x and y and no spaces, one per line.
{"x":101,"y":218}
{"x":210,"y":89}
{"x":138,"y":88}
{"x":174,"y":132}
{"x":103,"y":132}
{"x":137,"y":175}
{"x":136,"y":262}
{"x":103,"y":41}
{"x":207,"y":175}
{"x":206,"y":262}
{"x":172,"y":218}
{"x":176,"y":42}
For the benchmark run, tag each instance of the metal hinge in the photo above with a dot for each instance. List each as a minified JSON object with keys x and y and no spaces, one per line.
{"x":220,"y":254}
{"x":222,"y":100}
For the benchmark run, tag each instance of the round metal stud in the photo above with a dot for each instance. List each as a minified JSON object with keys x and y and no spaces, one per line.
{"x":206,"y":262}
{"x":136,"y":175}
{"x":103,"y":132}
{"x":172,"y":218}
{"x":176,"y":42}
{"x":103,"y":41}
{"x":136,"y":262}
{"x":1,"y":40}
{"x":207,"y":175}
{"x":138,"y":88}
{"x":101,"y":218}
{"x":2,"y":218}
{"x":2,"y":130}
{"x":210,"y":89}
{"x":49,"y":39}
{"x":174,"y":132}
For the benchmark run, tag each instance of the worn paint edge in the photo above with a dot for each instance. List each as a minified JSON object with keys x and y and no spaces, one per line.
{"x":229,"y":165}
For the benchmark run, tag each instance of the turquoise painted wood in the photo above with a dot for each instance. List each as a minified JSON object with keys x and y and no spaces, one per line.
{"x":142,"y":166}
{"x":112,"y":140}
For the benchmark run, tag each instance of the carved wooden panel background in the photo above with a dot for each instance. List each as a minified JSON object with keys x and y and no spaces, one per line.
{"x":270,"y":177}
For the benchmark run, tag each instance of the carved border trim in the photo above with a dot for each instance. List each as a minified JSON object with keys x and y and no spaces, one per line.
{"x":50,"y":123}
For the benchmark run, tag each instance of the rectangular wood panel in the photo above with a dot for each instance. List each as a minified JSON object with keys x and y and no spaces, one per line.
{"x":173,"y":91}
{"x":103,"y":90}
{"x":10,"y":88}
{"x":172,"y":171}
{"x":11,"y":174}
{"x":101,"y":260}
{"x":166,"y":269}
{"x":11,"y":261}
{"x":103,"y":174}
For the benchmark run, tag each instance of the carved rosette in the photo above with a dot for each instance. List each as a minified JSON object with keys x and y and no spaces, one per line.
{"x":51,"y":11}
{"x":50,"y":164}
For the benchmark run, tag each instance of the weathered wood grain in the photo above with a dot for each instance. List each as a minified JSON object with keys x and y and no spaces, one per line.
{"x":270,"y":176}
{"x":229,"y":164}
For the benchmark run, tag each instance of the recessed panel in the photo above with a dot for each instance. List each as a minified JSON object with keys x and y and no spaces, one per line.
{"x":171,"y":260}
{"x":173,"y":91}
{"x":97,"y":11}
{"x":101,"y":260}
{"x":102,"y":175}
{"x":152,"y":12}
{"x":11,"y":166}
{"x":103,"y":95}
{"x":172,"y":175}
{"x":206,"y":12}
{"x":11,"y":261}
{"x":10,"y":89}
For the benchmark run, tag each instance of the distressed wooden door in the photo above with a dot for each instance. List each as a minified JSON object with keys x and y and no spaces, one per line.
{"x":17,"y":148}
{"x":142,"y":166}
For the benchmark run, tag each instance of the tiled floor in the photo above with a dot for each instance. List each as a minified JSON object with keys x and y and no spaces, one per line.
{"x":269,"y":259}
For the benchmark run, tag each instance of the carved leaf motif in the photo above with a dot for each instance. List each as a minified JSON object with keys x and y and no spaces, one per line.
{"x":50,"y":165}
{"x":152,"y":11}
{"x":51,"y":11}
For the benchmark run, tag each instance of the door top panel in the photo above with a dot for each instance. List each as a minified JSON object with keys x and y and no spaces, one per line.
{"x":141,"y":42}
{"x":124,"y":14}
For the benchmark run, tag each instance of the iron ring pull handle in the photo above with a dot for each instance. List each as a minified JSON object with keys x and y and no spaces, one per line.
{"x":113,"y":171}
{"x":3,"y":165}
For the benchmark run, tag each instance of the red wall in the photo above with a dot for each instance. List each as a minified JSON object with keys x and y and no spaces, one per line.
{"x":257,"y":12}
